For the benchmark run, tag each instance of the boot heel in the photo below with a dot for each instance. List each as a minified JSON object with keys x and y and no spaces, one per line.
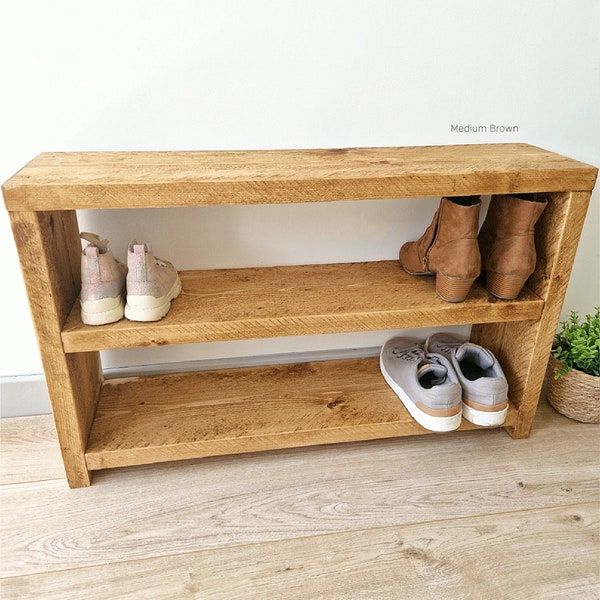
{"x":505,"y":287}
{"x":452,"y":289}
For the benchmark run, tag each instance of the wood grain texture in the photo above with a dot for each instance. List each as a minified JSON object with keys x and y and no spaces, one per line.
{"x":556,"y":238}
{"x":48,"y":248}
{"x":524,"y":348}
{"x":262,"y":302}
{"x":173,"y":509}
{"x":469,"y":558}
{"x":30,"y":450}
{"x":232,"y":304}
{"x":160,"y":179}
{"x":245,"y":410}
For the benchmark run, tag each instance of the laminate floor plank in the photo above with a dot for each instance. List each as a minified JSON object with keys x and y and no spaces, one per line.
{"x":143,"y":512}
{"x":544,"y":553}
{"x":30,"y":450}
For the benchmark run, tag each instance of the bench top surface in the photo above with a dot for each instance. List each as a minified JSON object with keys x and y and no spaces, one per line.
{"x":79,"y":180}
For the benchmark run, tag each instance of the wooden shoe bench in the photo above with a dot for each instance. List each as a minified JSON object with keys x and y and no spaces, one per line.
{"x":114,"y":423}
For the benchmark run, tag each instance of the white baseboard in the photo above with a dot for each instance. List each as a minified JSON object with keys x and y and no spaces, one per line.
{"x":27,"y":395}
{"x":23,"y":396}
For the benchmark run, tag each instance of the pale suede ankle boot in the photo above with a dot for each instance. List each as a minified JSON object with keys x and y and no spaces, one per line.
{"x":507,"y":245}
{"x":448,"y":248}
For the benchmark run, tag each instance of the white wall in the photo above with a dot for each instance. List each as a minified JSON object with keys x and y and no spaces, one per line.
{"x":185,"y":74}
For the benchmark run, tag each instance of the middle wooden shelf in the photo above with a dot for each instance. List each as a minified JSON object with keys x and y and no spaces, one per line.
{"x":246,"y":303}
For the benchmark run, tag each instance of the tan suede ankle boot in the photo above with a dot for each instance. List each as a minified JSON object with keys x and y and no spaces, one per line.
{"x":507,"y":243}
{"x":448,"y":248}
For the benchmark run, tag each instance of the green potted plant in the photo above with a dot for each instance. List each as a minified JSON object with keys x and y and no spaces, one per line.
{"x":574,"y":368}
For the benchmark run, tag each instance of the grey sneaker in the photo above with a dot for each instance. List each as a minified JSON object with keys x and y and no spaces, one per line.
{"x":151,"y":284}
{"x":425,"y":382}
{"x":484,"y":386}
{"x":102,"y":282}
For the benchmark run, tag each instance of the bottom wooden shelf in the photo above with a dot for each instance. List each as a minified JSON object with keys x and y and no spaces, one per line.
{"x":191,"y":415}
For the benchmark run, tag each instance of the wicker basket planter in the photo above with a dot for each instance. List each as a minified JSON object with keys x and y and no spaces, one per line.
{"x":575,"y":395}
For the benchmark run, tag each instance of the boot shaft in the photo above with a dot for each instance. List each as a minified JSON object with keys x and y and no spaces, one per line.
{"x":506,"y":239}
{"x":102,"y":283}
{"x":507,"y":242}
{"x":448,"y":248}
{"x":513,"y":215}
{"x":101,"y":274}
{"x":455,"y":219}
{"x":454,"y":251}
{"x":449,"y":244}
{"x":148,"y":275}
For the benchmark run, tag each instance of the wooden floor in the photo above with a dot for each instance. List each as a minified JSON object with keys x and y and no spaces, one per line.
{"x":464,"y":515}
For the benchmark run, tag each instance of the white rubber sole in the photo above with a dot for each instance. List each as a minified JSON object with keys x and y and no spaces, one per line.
{"x":484,"y":418}
{"x":437,"y":424}
{"x":149,"y":308}
{"x":102,"y":312}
